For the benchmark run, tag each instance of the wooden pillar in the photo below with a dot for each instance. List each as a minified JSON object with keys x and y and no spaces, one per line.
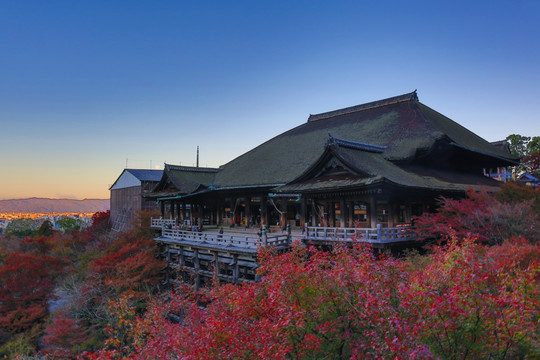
{"x":283,"y":214}
{"x":219,"y":213}
{"x":373,"y":212}
{"x":236,"y":269}
{"x":332,"y":214}
{"x":303,"y":207}
{"x":197,"y":266}
{"x":391,"y":214}
{"x":200,"y":208}
{"x":162,"y":204}
{"x":182,"y":212}
{"x":314,"y":213}
{"x":343,"y":213}
{"x":181,"y":260}
{"x":350,"y":214}
{"x":233,"y":211}
{"x":264,"y":210}
{"x":216,"y":267}
{"x":248,"y":211}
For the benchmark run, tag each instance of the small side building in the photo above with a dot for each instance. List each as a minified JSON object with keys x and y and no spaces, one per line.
{"x":127,"y":195}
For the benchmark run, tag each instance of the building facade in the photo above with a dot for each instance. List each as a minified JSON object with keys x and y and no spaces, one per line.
{"x":127,"y":195}
{"x":379,"y":163}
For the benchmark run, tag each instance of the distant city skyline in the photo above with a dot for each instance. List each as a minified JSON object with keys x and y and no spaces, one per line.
{"x":86,"y":85}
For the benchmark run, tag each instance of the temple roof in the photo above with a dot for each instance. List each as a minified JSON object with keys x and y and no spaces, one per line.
{"x":364,"y":168}
{"x":180,"y":180}
{"x":400,"y":126}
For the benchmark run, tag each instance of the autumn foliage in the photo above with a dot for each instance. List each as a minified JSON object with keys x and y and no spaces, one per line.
{"x":490,"y":218}
{"x":467,"y":302}
{"x":55,"y":290}
{"x":474,"y":296}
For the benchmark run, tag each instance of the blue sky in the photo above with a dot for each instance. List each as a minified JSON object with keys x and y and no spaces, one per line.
{"x":85,"y":85}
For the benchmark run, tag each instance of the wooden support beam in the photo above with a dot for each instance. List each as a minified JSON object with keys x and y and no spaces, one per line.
{"x":181,"y":259}
{"x":373,"y":211}
{"x":197,"y":267}
{"x":342,"y":213}
{"x":303,"y":212}
{"x":283,"y":214}
{"x":332,"y":214}
{"x":236,"y":269}
{"x":248,"y":212}
{"x":216,"y":267}
{"x":350,"y":213}
{"x":264,"y":210}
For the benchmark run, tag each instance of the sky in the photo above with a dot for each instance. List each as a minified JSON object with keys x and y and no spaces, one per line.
{"x":90,"y":87}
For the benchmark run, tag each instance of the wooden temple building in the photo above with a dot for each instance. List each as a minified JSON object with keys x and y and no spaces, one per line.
{"x":363,"y":171}
{"x":127,"y":195}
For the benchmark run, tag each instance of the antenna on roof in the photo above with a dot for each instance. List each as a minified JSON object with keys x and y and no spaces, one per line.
{"x":197,"y":156}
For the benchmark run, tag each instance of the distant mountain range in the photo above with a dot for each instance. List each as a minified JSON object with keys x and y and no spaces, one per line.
{"x":41,"y":205}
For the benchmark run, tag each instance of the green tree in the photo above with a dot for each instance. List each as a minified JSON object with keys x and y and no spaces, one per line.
{"x":69,"y":224}
{"x":46,"y":229}
{"x":21,"y":227}
{"x":523,"y":146}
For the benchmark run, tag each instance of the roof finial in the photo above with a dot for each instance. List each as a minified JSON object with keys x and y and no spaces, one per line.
{"x":331,"y":140}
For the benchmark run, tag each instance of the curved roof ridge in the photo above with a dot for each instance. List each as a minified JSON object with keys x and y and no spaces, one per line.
{"x":351,"y":144}
{"x":191,"y":168}
{"x":412,"y":96}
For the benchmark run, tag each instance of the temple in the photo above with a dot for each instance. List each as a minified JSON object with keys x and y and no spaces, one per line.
{"x":377,"y":163}
{"x":360,"y":172}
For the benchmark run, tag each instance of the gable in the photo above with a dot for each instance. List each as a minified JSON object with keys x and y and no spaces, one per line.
{"x":125,"y":180}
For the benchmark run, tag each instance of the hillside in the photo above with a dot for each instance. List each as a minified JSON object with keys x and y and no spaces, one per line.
{"x":42,"y":205}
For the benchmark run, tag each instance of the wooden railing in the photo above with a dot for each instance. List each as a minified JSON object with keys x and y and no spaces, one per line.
{"x":377,"y":235}
{"x":252,"y":240}
{"x":246,"y":241}
{"x":162,"y":223}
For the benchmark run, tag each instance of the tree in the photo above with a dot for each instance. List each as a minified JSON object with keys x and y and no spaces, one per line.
{"x":69,"y":224}
{"x":21,"y":227}
{"x":46,"y":228}
{"x":523,"y":146}
{"x":62,"y":337}
{"x":484,"y":216}
{"x":100,"y":222}
{"x":473,"y":302}
{"x":129,"y":264}
{"x":26,"y":284}
{"x":532,"y":164}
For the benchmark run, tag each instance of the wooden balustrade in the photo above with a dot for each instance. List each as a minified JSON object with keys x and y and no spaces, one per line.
{"x":238,"y":240}
{"x":377,"y":235}
{"x":252,"y":240}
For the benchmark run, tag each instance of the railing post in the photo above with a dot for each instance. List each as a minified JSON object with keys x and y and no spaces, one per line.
{"x":264,"y":237}
{"x":288,"y":234}
{"x":379,"y":232}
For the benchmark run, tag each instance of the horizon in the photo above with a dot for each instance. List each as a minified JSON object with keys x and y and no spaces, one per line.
{"x":48,"y":198}
{"x":93,"y":88}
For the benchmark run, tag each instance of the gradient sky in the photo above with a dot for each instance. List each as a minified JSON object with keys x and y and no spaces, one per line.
{"x":85,"y":85}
